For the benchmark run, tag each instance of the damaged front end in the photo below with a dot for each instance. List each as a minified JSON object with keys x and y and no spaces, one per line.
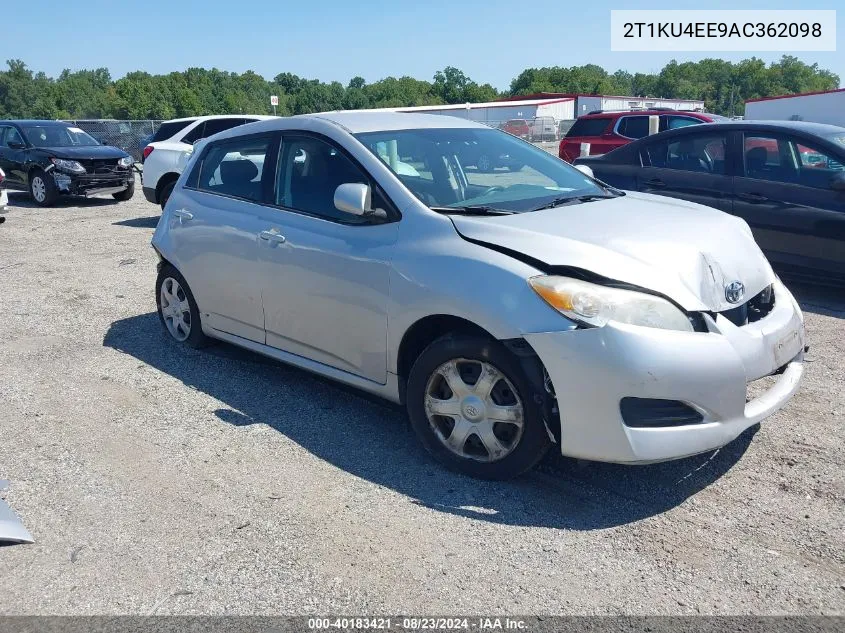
{"x":91,"y":177}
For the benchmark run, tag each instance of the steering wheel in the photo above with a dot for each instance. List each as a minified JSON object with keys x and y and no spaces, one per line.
{"x":492,"y":189}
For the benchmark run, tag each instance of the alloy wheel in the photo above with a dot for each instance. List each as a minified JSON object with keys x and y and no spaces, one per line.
{"x":175,"y":309}
{"x":39,"y":189}
{"x":474,"y":410}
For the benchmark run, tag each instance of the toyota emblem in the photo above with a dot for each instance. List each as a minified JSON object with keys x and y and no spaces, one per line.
{"x":734,"y":292}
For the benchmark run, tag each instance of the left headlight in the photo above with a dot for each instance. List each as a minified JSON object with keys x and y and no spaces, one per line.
{"x":126,"y":161}
{"x":595,"y":305}
{"x":68,"y":165}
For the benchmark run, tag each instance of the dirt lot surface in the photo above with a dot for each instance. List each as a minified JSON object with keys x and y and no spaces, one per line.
{"x":159,"y":480}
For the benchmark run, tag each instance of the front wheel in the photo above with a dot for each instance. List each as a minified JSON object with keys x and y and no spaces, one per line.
{"x":473,"y":409}
{"x":43,"y":189}
{"x":126,"y":194}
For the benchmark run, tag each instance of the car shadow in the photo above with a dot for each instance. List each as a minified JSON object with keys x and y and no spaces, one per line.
{"x":371,"y":439}
{"x":24,"y":201}
{"x":149,"y":222}
{"x":818,"y":299}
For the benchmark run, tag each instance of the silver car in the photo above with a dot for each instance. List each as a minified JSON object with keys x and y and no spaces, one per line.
{"x":508,"y":310}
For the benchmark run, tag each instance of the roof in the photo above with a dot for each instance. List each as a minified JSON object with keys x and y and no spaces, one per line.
{"x":472,"y":106}
{"x":797,"y":94}
{"x":260,"y":117}
{"x":41,"y":122}
{"x":575,"y":95}
{"x":356,"y":121}
{"x":805,"y":127}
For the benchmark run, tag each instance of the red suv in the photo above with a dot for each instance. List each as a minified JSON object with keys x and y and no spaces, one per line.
{"x":605,"y":131}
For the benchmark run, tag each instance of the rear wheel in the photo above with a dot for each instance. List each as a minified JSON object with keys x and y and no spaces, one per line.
{"x":43,"y":189}
{"x":165,"y":193}
{"x":177,"y":308}
{"x":472,"y":408}
{"x":126,"y":194}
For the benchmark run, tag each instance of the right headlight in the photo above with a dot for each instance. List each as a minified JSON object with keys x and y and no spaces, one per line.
{"x":592,"y":304}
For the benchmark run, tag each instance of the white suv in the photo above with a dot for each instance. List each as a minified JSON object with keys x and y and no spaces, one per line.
{"x":165,"y":156}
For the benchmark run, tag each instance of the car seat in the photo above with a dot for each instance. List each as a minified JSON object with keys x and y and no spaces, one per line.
{"x":238,"y":179}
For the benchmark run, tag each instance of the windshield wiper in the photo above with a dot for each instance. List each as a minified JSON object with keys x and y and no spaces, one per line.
{"x":559,"y":202}
{"x":472,"y":210}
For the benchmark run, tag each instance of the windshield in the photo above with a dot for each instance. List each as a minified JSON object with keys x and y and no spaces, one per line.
{"x":456,"y":168}
{"x":57,"y":136}
{"x":838,"y":138}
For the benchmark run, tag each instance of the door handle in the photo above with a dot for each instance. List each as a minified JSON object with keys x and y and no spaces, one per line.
{"x":753,"y":198}
{"x":183,"y":214}
{"x":656,"y":182}
{"x":273,"y":238}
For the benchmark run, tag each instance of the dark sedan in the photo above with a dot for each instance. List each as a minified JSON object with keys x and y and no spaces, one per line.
{"x":785,"y":178}
{"x":51,"y":158}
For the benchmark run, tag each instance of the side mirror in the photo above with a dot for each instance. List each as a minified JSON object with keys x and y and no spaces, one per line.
{"x":16,"y":145}
{"x":355,"y":198}
{"x":584,"y":169}
{"x":837,"y":183}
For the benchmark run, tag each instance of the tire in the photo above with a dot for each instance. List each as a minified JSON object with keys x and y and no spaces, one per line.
{"x":127,"y":194}
{"x":190,"y":332}
{"x":43,"y":188}
{"x":521,"y":449}
{"x":165,"y":193}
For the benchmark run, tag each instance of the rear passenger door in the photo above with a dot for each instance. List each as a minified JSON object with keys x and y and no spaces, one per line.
{"x":215,"y":220}
{"x":691,"y":167}
{"x":784,"y":192}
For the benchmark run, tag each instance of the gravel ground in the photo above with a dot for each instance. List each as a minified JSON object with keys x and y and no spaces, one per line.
{"x":159,"y":480}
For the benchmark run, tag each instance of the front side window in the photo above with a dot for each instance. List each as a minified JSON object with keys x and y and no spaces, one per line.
{"x":816,"y":168}
{"x":57,"y":136}
{"x":463,"y":167}
{"x":235,"y":167}
{"x":310,"y":170}
{"x":769,"y":158}
{"x":703,"y":154}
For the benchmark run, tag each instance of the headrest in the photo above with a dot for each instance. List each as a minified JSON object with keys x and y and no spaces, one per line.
{"x":237,"y":171}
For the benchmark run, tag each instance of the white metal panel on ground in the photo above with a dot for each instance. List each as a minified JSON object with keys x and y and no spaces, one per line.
{"x":824,"y":107}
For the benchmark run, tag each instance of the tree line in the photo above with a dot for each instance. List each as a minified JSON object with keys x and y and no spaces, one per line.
{"x":93,"y":94}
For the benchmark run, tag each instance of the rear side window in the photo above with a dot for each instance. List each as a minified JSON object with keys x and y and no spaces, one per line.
{"x":682,"y":121}
{"x":703,"y":154}
{"x":167,"y":130}
{"x":633,"y":126}
{"x":588,"y":127}
{"x":236,"y":168}
{"x":219,"y":125}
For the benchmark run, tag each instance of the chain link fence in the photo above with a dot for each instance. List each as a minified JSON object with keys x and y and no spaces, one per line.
{"x":130,"y":136}
{"x":133,"y":136}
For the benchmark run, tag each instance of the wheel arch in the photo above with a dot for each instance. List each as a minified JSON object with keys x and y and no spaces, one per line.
{"x":164,"y":180}
{"x":432,"y":327}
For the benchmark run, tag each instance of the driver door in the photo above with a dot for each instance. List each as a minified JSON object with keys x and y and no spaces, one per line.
{"x":324,"y":273}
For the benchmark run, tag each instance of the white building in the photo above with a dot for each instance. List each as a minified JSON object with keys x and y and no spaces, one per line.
{"x":816,"y":107}
{"x":496,"y":112}
{"x":562,"y":107}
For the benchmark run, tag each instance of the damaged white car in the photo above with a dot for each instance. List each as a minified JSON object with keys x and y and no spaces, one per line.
{"x":509,"y":309}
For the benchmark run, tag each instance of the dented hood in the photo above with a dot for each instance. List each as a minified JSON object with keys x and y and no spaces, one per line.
{"x":685,"y":251}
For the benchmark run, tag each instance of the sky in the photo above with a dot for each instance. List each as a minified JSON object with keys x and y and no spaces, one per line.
{"x":492,"y":41}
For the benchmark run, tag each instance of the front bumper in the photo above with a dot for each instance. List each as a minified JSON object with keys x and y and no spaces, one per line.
{"x":92,"y":184}
{"x":591,"y":370}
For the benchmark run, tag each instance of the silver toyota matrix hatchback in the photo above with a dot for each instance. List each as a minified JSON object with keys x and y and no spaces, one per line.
{"x":508,"y":308}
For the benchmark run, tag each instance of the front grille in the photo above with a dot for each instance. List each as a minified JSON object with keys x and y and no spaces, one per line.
{"x":654,"y":413}
{"x":100,"y":167}
{"x":756,"y":308}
